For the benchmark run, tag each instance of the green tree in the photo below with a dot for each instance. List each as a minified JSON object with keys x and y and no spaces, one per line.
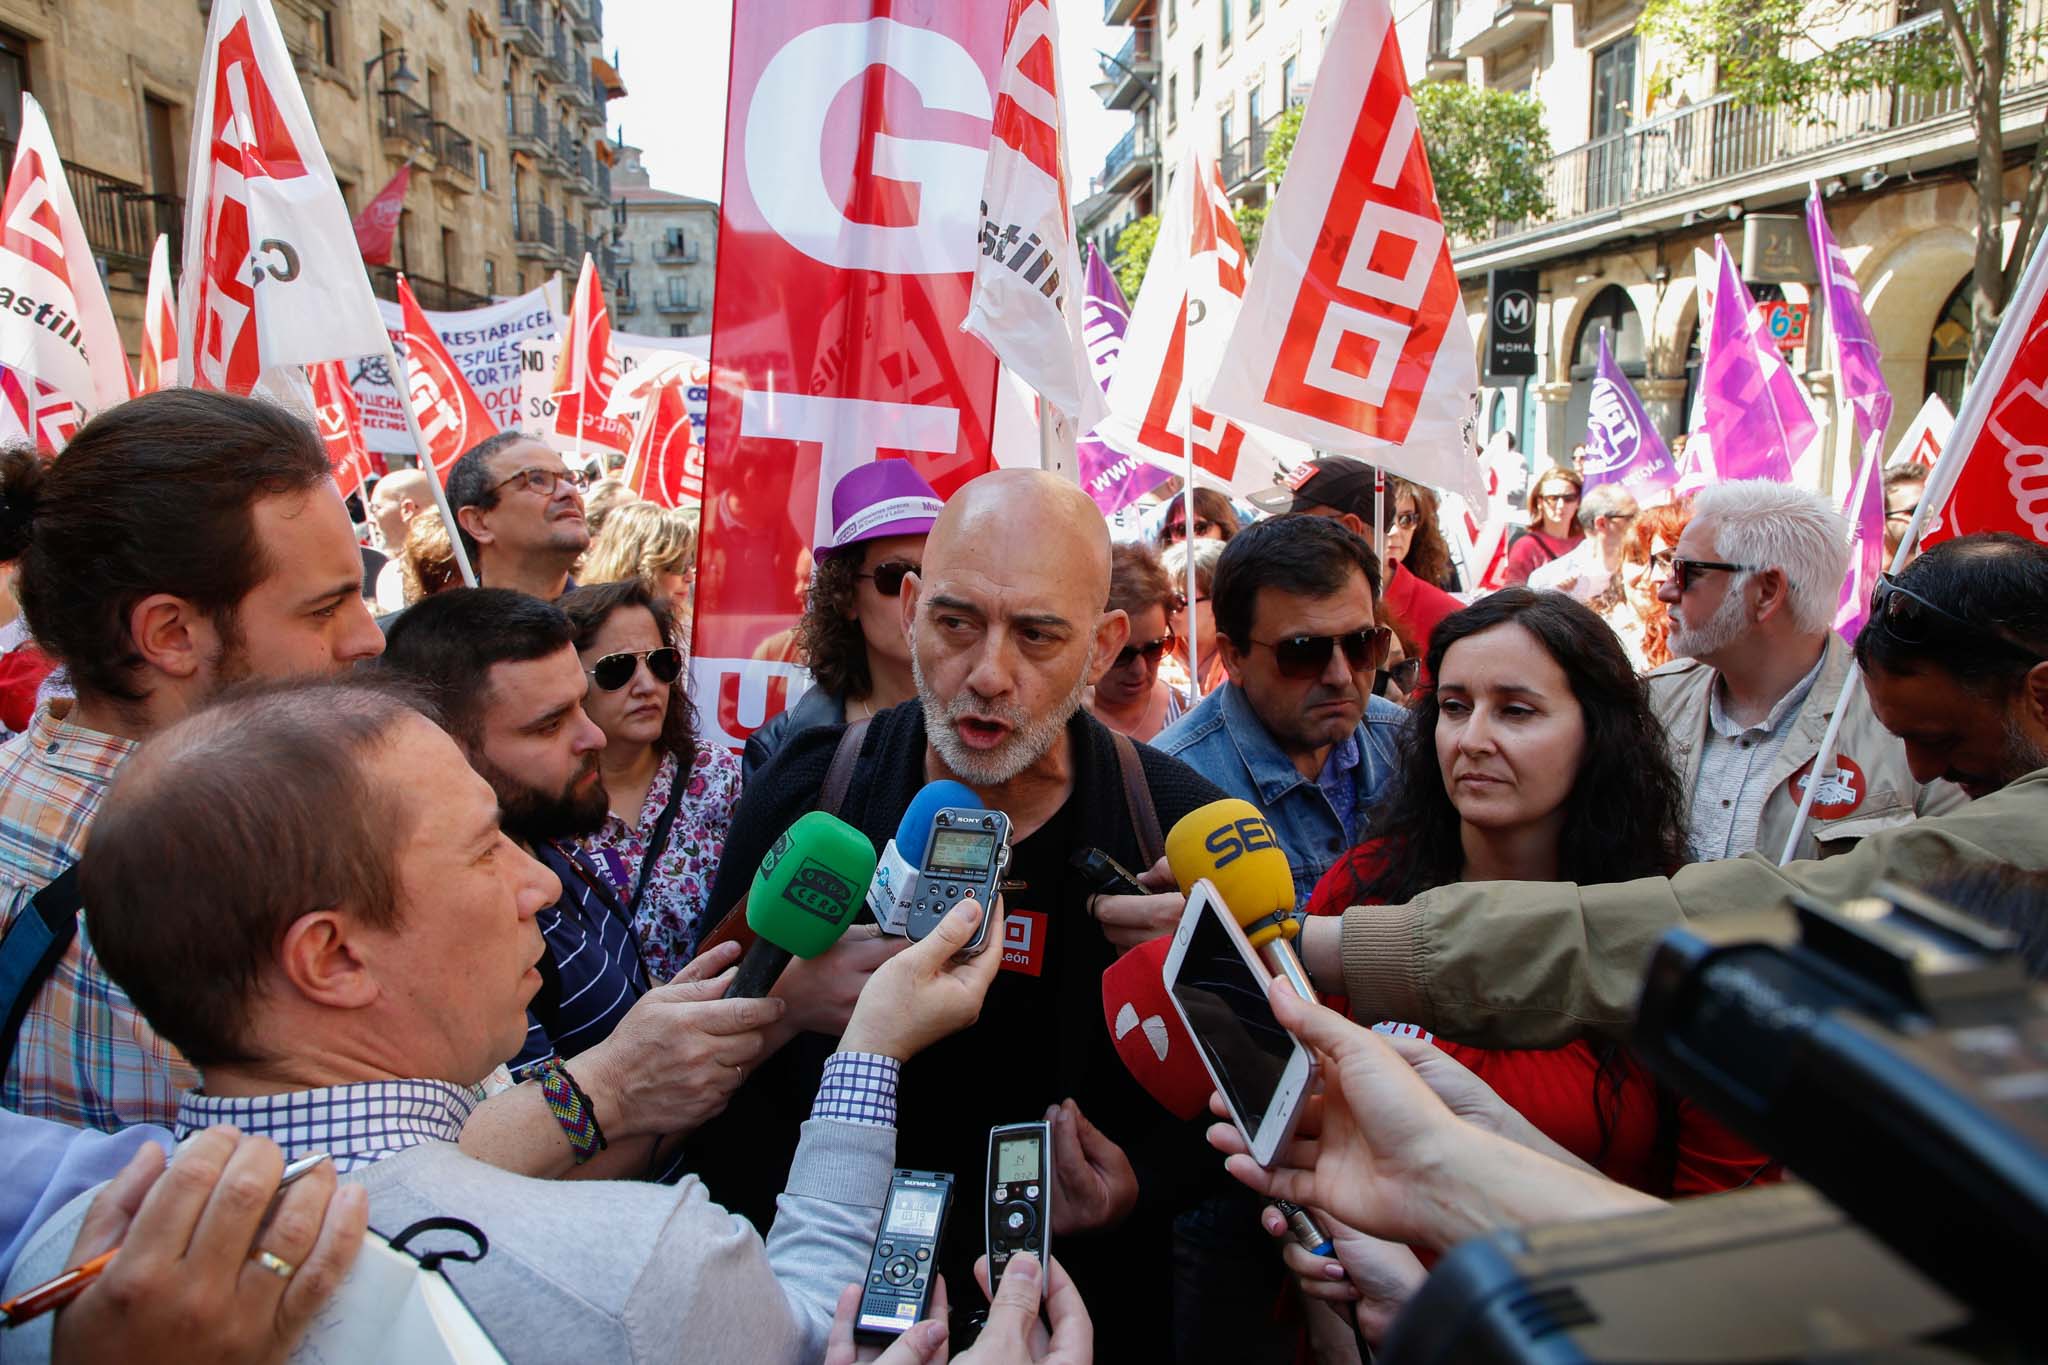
{"x":1133,"y":253}
{"x":1251,"y":221}
{"x":1793,"y":55}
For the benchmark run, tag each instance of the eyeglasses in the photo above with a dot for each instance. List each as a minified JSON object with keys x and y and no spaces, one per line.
{"x":1203,"y":526}
{"x":1180,"y":602}
{"x":1306,"y":656}
{"x":1407,"y":521}
{"x":1912,"y":619}
{"x":1401,"y":675}
{"x":614,"y":671}
{"x":1152,"y":650}
{"x":1686,"y":570}
{"x":888,"y":575}
{"x":543,"y":481}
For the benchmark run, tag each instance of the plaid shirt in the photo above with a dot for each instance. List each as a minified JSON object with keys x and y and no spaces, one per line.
{"x":85,"y":1056}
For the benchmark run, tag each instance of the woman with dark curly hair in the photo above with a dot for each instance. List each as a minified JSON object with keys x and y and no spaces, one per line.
{"x":671,"y":797}
{"x":1535,"y":757}
{"x":851,"y":633}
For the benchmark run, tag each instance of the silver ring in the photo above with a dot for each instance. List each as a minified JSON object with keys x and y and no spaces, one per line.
{"x":274,"y":1263}
{"x":740,"y":1073}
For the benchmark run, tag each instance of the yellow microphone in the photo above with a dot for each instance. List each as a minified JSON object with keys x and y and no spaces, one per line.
{"x":1232,"y":844}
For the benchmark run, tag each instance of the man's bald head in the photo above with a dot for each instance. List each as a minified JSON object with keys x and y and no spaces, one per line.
{"x":1029,"y":515}
{"x":397,"y":499}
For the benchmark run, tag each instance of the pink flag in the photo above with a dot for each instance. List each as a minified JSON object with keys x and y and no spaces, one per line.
{"x":1757,"y":415}
{"x":1353,"y":334}
{"x":159,"y":324}
{"x":1856,"y":353}
{"x":376,"y":227}
{"x":273,"y":276}
{"x":55,"y":323}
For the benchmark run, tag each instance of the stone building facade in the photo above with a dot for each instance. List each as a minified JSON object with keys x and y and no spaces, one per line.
{"x":667,"y":251}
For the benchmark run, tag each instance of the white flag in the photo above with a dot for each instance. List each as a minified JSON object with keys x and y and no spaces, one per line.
{"x":1353,"y":334}
{"x":272,"y":275}
{"x":159,"y":324}
{"x":1194,"y":285}
{"x":1027,"y":281}
{"x":55,"y":324}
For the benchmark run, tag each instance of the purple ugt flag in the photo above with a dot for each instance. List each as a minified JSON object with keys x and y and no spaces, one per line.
{"x":1114,"y":477}
{"x":1622,"y":444}
{"x":1757,"y":417}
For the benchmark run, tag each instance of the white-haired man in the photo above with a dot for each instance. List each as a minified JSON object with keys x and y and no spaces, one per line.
{"x":1757,"y":668}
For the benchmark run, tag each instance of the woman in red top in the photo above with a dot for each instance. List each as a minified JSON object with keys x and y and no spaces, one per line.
{"x":1553,"y":529}
{"x":1535,"y":757}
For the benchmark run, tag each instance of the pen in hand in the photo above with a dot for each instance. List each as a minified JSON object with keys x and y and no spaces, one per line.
{"x":59,"y":1290}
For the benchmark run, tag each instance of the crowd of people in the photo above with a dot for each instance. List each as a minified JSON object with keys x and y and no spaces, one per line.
{"x":310,"y":849}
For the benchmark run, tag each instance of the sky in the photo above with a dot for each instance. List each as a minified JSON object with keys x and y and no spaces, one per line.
{"x":674,"y":108}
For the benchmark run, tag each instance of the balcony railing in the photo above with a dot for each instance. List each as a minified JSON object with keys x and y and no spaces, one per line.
{"x":623,"y":253}
{"x":533,"y":229}
{"x":580,"y":165}
{"x":1481,"y":27}
{"x":1695,"y":149}
{"x":526,"y":124}
{"x":604,"y":182}
{"x":588,"y":17}
{"x":675,"y":249}
{"x":1245,"y":159}
{"x":523,"y":25}
{"x":406,"y":120}
{"x":1135,"y":62}
{"x":121,"y":218}
{"x":559,"y":52}
{"x":437,"y":295}
{"x":678,"y":300}
{"x":453,"y":150}
{"x":1128,"y":162}
{"x":573,"y":244}
{"x":565,"y":144}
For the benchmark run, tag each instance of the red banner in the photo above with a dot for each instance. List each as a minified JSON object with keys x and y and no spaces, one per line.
{"x":377,"y":225}
{"x":855,"y":150}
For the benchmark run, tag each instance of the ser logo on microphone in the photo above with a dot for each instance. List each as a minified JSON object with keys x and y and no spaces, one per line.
{"x":1232,"y":841}
{"x":818,"y":890}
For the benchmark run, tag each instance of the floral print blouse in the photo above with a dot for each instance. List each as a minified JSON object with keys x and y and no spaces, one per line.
{"x":670,"y":917}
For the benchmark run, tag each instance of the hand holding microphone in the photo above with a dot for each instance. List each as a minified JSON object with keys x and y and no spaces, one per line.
{"x":894,"y":888}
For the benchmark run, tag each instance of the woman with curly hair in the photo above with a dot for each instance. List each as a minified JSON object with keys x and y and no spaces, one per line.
{"x":851,"y":633}
{"x":671,"y":797}
{"x":1534,"y":756}
{"x":1631,"y":605}
{"x":426,"y":562}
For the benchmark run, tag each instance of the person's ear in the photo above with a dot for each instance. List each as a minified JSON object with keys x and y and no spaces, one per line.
{"x":2033,"y":697}
{"x":1233,"y":661}
{"x":909,"y":595}
{"x":321,"y":959}
{"x":172,"y":636}
{"x":1112,"y":633}
{"x":1773,"y":595}
{"x":471,"y":519}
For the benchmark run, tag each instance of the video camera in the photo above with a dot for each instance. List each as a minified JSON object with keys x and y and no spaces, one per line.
{"x":1895,"y":1057}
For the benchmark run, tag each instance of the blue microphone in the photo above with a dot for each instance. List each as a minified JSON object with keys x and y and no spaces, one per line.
{"x":894,"y":889}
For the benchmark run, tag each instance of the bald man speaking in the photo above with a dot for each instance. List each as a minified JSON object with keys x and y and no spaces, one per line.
{"x":1007,"y":629}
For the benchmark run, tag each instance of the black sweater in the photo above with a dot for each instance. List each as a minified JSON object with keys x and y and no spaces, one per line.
{"x":1040,"y":1039}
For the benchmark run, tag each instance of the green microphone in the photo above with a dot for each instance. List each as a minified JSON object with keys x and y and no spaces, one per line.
{"x":805,"y":894}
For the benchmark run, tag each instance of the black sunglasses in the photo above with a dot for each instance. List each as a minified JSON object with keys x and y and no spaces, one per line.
{"x":1180,"y":602}
{"x":614,"y":671}
{"x":1306,"y":656}
{"x":888,"y":576}
{"x":1401,"y":675}
{"x":1912,"y":619}
{"x":1153,"y":650}
{"x":1686,"y":570}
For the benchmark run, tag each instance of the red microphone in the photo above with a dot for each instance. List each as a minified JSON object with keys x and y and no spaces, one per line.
{"x":1155,"y":1046}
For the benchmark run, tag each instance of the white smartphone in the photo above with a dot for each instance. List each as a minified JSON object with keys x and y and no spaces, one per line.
{"x":1218,"y":986}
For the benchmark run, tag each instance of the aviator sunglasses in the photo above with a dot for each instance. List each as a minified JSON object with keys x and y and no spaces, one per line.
{"x":1152,"y":650}
{"x":1306,"y":656}
{"x":614,"y":671}
{"x":888,"y":576}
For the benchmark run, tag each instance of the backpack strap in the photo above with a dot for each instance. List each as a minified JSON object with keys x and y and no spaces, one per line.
{"x":34,"y":945}
{"x":1138,"y":800}
{"x":839,"y":777}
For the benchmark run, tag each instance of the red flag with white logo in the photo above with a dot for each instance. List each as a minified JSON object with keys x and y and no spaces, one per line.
{"x":1353,"y":334}
{"x":55,"y":323}
{"x":451,"y":417}
{"x":341,"y":425}
{"x":48,"y":424}
{"x":1194,"y":286}
{"x":272,"y":275}
{"x":1993,"y":471}
{"x":666,"y":465}
{"x":376,"y":227}
{"x":159,"y":324}
{"x":587,"y":371}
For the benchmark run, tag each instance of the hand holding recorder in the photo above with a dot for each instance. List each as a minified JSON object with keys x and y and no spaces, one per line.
{"x":924,"y":993}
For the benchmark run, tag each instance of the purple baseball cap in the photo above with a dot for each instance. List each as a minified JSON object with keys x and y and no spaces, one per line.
{"x":882,"y":498}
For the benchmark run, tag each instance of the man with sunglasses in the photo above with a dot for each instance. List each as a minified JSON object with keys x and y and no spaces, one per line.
{"x":1606,"y":511}
{"x":1955,"y":659}
{"x":1296,"y":731}
{"x":519,"y":510}
{"x":1755,"y":581}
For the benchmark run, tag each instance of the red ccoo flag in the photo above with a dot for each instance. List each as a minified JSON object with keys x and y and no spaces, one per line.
{"x":1353,"y":334}
{"x":1993,"y":470}
{"x":159,"y":324}
{"x":588,"y":371}
{"x":341,"y":425}
{"x":376,"y":227}
{"x":450,"y":415}
{"x":666,"y":463}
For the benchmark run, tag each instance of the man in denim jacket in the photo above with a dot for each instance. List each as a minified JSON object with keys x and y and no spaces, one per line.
{"x":1296,"y":731}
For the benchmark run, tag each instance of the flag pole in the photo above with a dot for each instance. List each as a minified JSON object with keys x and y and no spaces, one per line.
{"x":1941,"y":480}
{"x":1187,"y":523}
{"x":419,"y":445}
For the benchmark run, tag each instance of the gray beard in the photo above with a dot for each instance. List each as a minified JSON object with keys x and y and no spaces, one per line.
{"x":1715,"y":634}
{"x":1029,"y":741}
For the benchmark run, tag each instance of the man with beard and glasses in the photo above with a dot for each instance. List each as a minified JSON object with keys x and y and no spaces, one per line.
{"x":1955,"y":659}
{"x":652,"y":1061}
{"x":1755,"y":582}
{"x":185,"y":540}
{"x":1007,"y":630}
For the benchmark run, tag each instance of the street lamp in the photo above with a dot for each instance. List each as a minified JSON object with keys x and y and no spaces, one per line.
{"x":403,"y":80}
{"x":1103,"y":88}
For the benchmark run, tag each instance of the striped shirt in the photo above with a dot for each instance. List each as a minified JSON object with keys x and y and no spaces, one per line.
{"x":85,"y":1056}
{"x":1735,"y":769}
{"x":595,"y":974}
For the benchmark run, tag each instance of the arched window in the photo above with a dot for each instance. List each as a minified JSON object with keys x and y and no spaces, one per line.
{"x":1611,"y":309}
{"x":1948,"y":346}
